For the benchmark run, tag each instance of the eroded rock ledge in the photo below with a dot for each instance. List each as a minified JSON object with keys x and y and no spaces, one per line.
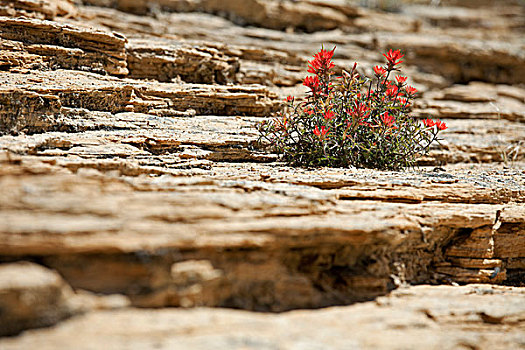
{"x":483,"y":316}
{"x":288,"y":241}
{"x":40,"y":103}
{"x":41,"y":44}
{"x":130,"y":175}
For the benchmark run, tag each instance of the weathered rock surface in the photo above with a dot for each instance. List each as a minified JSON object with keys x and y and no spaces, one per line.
{"x":54,"y":45}
{"x":474,"y":316}
{"x":129,"y":164}
{"x":465,"y":60}
{"x":31,"y":296}
{"x":166,"y":61}
{"x":43,"y":101}
{"x":274,"y":240}
{"x":310,"y":15}
{"x":43,"y":9}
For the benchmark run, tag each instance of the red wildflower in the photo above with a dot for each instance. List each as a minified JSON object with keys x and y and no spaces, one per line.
{"x":329,"y":115}
{"x":393,"y":57}
{"x":401,"y":80}
{"x":440,"y":125}
{"x":321,"y":133}
{"x":360,"y":111}
{"x":289,"y":99}
{"x":392,"y":91}
{"x":313,"y":83}
{"x":322,"y":62}
{"x":380,"y":71}
{"x":309,"y":111}
{"x":411,"y":90}
{"x":428,"y":123}
{"x":387,"y":119}
{"x":404,"y":101}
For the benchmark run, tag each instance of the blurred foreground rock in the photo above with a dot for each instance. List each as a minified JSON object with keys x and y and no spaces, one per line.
{"x":474,"y":316}
{"x":31,"y":296}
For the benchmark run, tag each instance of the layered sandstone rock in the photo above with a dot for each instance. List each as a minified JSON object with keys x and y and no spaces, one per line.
{"x":164,"y":61}
{"x":272,"y":240}
{"x":475,"y":316}
{"x":43,"y":9}
{"x":48,"y":100}
{"x":307,"y":15}
{"x":53,"y":45}
{"x":129,"y":164}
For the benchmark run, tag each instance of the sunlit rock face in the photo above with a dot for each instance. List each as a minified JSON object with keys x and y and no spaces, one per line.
{"x":133,"y":186}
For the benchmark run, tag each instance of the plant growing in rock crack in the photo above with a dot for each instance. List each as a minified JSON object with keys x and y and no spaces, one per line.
{"x":352,"y":119}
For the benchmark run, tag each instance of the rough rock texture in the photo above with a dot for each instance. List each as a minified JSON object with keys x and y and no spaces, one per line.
{"x":129,"y":164}
{"x":466,"y":60}
{"x":45,"y":101}
{"x":43,"y":9}
{"x":31,"y":296}
{"x":61,"y":46}
{"x":310,"y":15}
{"x":289,"y":241}
{"x":192,"y":63}
{"x":472,"y":317}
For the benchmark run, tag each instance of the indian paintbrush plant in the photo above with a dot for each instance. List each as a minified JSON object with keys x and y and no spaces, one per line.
{"x":351,"y":120}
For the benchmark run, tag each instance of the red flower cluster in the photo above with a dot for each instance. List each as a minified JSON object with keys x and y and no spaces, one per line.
{"x":313,"y":83}
{"x":401,"y":80}
{"x":322,"y":62}
{"x":438,"y":123}
{"x":360,"y":112}
{"x":380,"y":71}
{"x":321,"y":133}
{"x":392,"y":91}
{"x":329,"y":115}
{"x":393,"y":57}
{"x":411,"y":91}
{"x":387,"y":119}
{"x":428,"y":123}
{"x":353,"y":120}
